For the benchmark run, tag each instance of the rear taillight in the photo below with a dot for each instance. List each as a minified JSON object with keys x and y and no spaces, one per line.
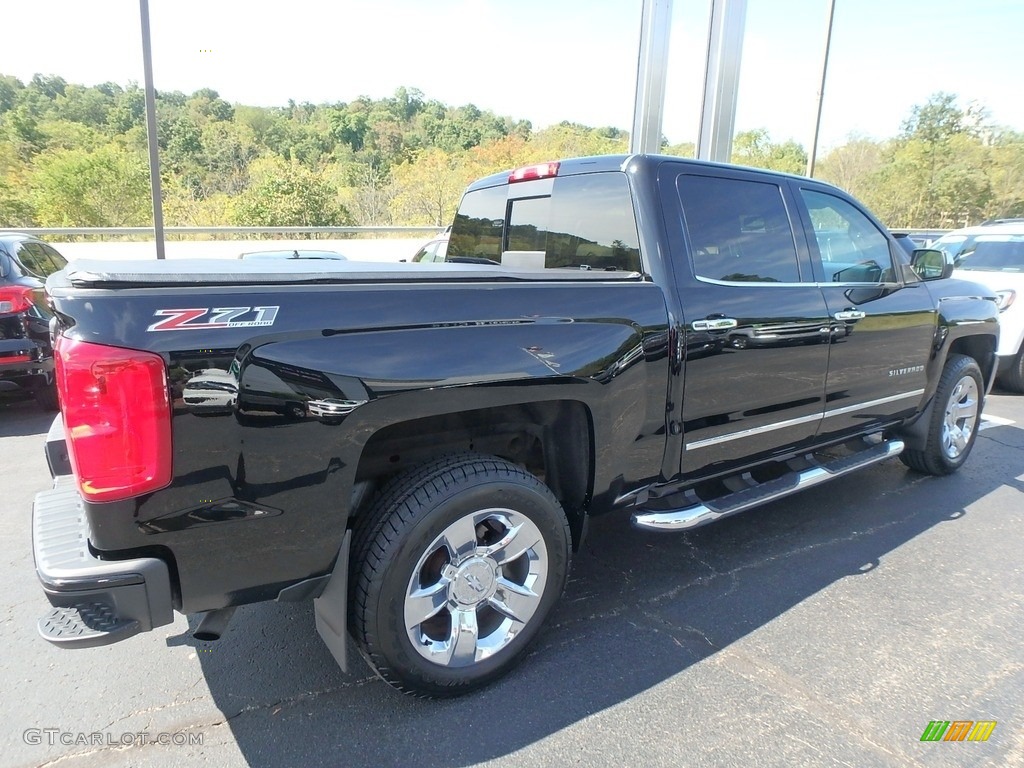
{"x":117,"y":418}
{"x":14,"y":299}
{"x":539,"y":171}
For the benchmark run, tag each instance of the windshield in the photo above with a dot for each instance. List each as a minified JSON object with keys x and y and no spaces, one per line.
{"x":951,"y":245}
{"x":992,"y":253}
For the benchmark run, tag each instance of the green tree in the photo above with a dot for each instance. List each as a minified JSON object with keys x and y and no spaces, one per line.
{"x":129,"y":110}
{"x":287,"y":194}
{"x":428,"y":187}
{"x":21,"y":129}
{"x":223,"y":166}
{"x":15,"y":204}
{"x":9,"y":88}
{"x":852,"y":166}
{"x":367,"y":190}
{"x":755,"y":148}
{"x":107,"y":187}
{"x":572,"y":140}
{"x":1007,"y":175}
{"x":88,"y":106}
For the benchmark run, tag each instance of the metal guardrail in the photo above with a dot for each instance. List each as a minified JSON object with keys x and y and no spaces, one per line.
{"x":127,"y":231}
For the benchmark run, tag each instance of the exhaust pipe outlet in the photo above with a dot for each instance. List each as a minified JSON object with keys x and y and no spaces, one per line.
{"x":213,"y":624}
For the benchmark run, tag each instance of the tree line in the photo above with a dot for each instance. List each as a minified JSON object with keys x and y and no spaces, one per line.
{"x":76,"y":155}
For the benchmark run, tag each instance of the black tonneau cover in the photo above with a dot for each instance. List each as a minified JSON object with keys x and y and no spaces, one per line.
{"x":90,"y":273}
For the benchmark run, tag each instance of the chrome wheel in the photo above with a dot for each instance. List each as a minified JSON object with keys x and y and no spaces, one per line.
{"x":475,"y":587}
{"x":455,"y":566}
{"x":962,"y":411}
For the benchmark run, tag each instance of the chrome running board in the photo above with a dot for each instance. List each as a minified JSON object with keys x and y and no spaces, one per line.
{"x":698,"y":512}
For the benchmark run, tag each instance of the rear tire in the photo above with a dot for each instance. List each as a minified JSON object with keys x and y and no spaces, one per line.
{"x":455,"y":567}
{"x":46,"y":398}
{"x":954,"y":421}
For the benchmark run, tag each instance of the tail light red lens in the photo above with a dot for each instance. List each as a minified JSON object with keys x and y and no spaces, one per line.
{"x":117,"y":418}
{"x":14,"y":299}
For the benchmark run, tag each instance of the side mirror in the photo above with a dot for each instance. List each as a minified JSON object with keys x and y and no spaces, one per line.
{"x":931,"y":264}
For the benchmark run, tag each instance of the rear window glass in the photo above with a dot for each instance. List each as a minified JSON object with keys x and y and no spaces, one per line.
{"x":40,"y":261}
{"x":586,"y":222}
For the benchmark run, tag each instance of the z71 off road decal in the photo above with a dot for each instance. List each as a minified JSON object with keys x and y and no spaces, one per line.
{"x":206,"y":318}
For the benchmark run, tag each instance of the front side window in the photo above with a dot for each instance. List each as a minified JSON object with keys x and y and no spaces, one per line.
{"x":852,"y":248}
{"x":739,"y":230}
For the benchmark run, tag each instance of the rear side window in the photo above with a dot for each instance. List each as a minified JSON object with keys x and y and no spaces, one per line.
{"x":739,"y":230}
{"x":586,"y":222}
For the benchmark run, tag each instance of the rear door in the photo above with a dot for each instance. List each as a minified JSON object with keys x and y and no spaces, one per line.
{"x":883,"y":317}
{"x":756,"y":324}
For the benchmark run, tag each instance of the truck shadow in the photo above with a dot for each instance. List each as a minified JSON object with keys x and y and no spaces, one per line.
{"x":639,"y":609}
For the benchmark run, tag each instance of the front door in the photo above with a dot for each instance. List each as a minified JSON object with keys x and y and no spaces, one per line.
{"x":883,"y":318}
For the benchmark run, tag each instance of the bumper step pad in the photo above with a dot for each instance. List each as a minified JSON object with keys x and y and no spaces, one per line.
{"x":95,"y":601}
{"x":86,"y":624}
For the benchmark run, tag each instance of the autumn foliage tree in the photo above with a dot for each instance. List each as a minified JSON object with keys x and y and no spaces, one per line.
{"x":76,"y":155}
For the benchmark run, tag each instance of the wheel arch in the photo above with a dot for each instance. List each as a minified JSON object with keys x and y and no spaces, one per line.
{"x":981,"y":347}
{"x":552,"y":439}
{"x":915,"y":434}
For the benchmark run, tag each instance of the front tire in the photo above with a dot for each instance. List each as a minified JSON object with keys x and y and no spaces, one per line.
{"x":1013,"y":377}
{"x":455,"y":568}
{"x":954,"y":421}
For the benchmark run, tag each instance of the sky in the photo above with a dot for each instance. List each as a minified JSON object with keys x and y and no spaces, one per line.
{"x":544,"y":60}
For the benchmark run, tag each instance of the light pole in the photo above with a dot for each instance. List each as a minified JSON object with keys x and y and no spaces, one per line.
{"x":154,"y":150}
{"x":821,"y":91}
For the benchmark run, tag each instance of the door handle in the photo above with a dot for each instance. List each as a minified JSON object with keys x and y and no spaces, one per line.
{"x":850,"y":314}
{"x":715,"y":324}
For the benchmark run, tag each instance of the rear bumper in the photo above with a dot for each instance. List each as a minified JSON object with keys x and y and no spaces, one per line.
{"x":96,"y":602}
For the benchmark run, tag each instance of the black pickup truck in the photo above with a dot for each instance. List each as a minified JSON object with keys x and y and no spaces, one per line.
{"x":418,"y":448}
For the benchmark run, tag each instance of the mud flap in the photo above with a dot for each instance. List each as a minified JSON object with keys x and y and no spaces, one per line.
{"x":331,"y":608}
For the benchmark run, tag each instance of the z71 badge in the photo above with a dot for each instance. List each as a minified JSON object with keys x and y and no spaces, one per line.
{"x":206,"y":318}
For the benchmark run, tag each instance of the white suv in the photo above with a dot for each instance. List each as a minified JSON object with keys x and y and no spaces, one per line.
{"x":993,"y":255}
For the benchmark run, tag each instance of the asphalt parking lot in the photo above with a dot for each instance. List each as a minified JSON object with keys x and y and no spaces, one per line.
{"x":826,"y":629}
